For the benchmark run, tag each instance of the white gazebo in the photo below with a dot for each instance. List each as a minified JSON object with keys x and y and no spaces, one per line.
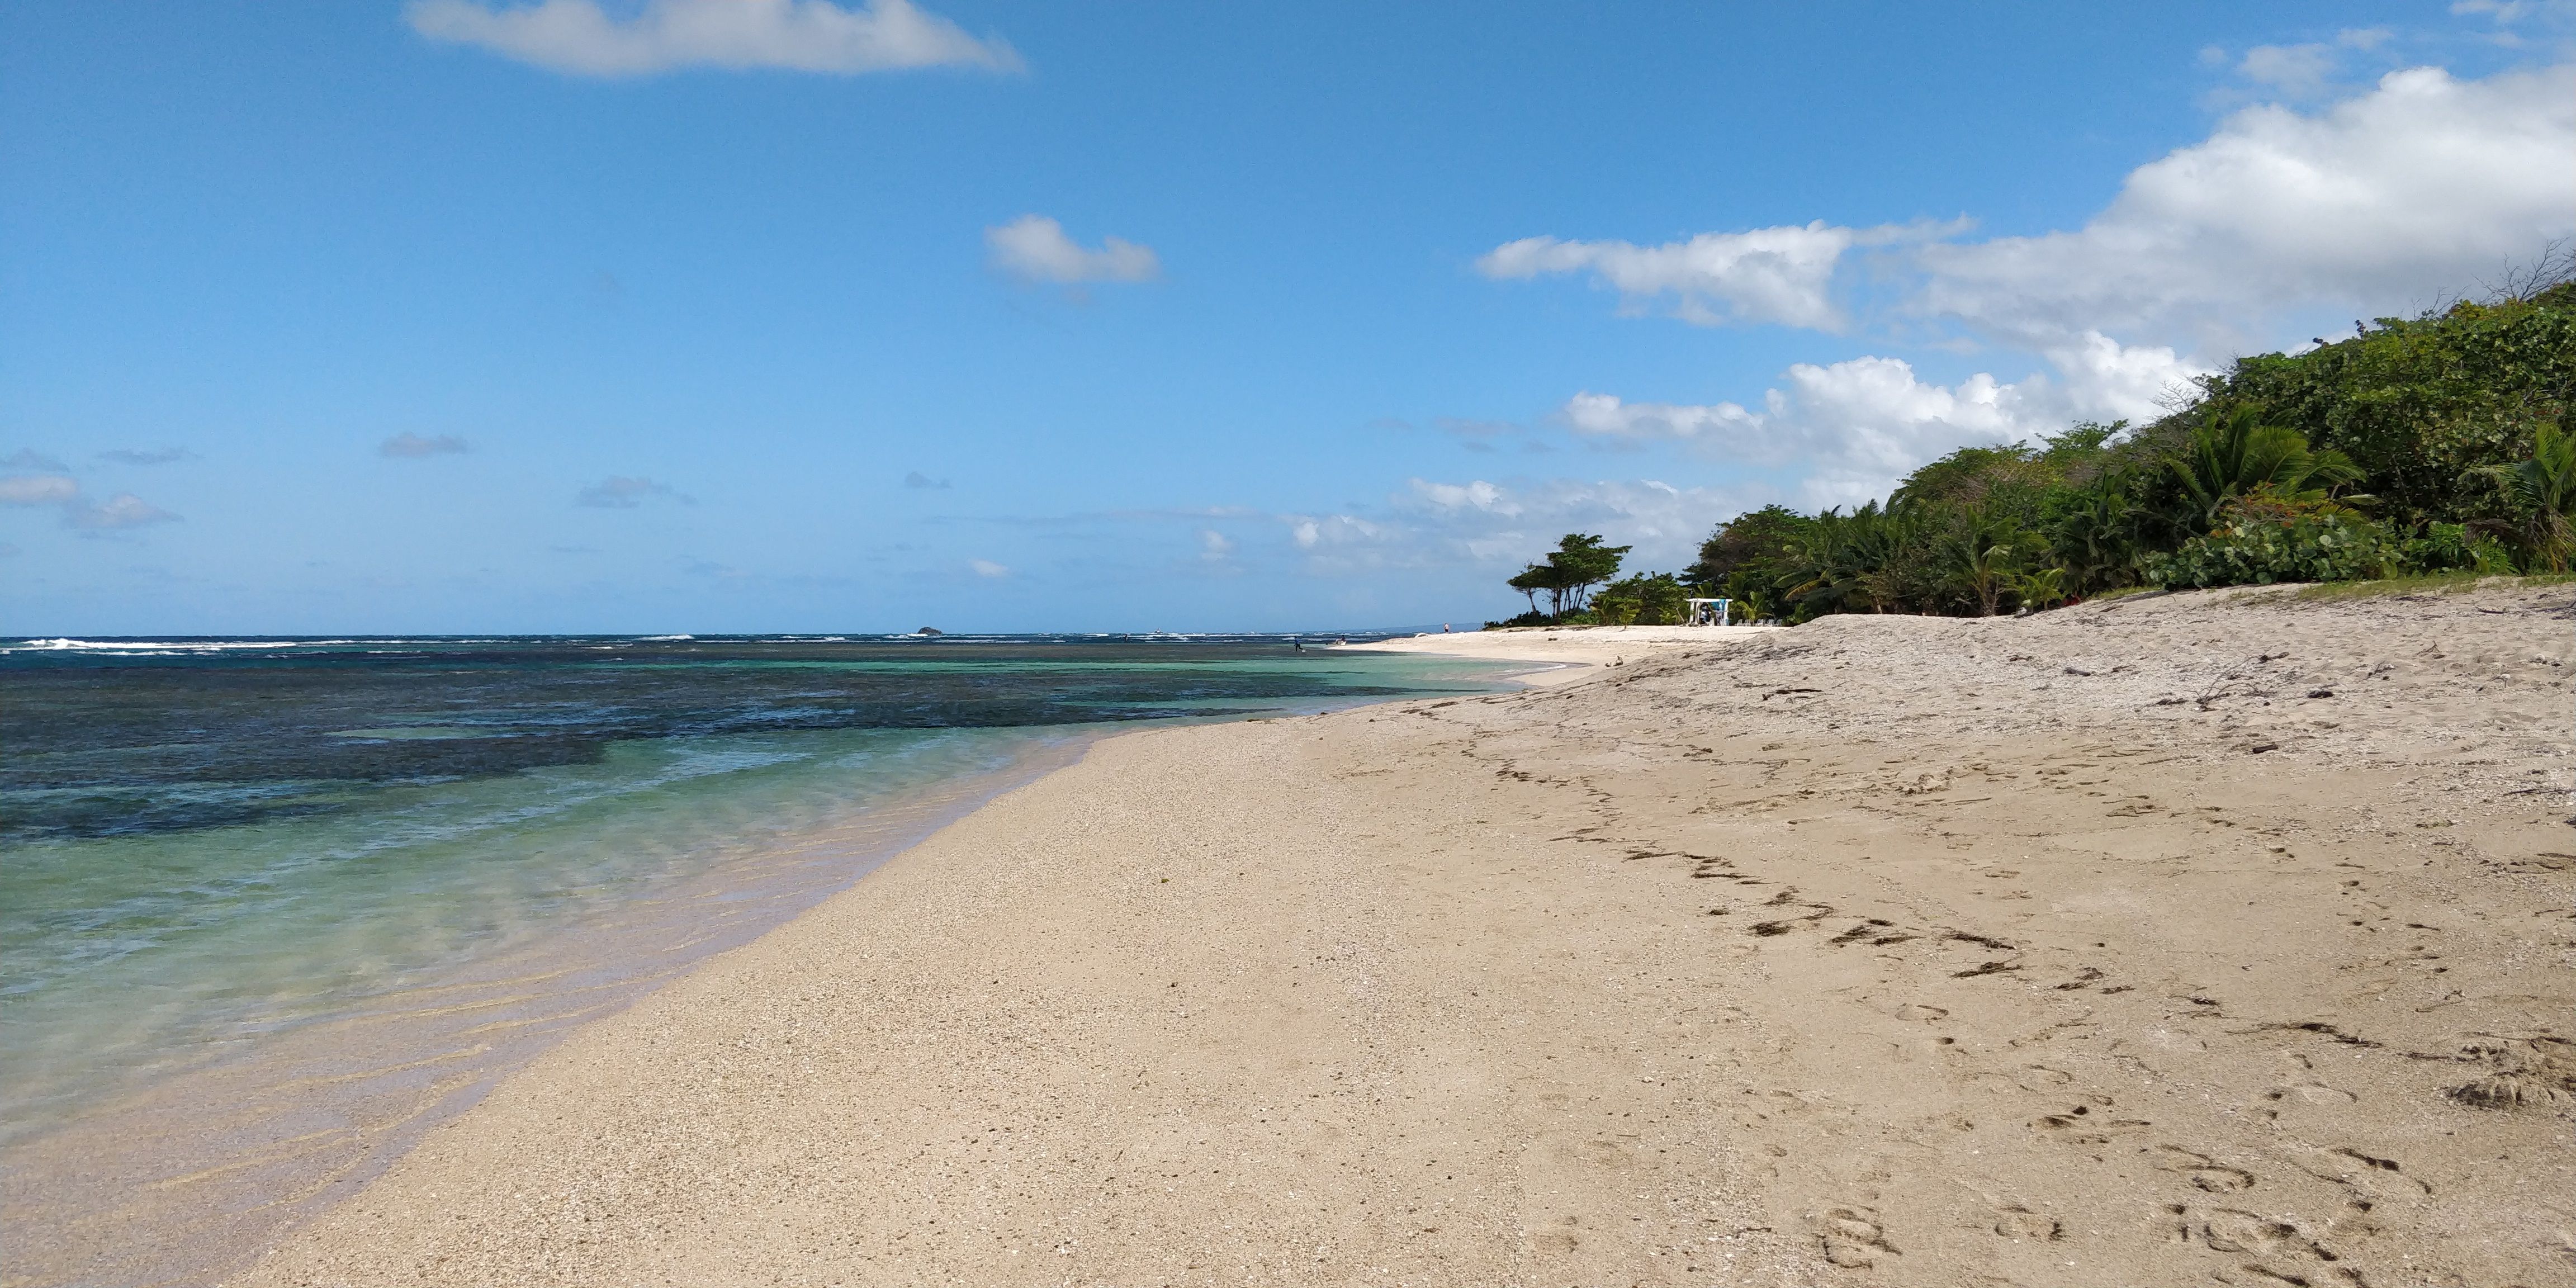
{"x":1708,"y":612}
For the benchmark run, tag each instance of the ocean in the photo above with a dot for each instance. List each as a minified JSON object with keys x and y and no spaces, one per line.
{"x":270,"y":908}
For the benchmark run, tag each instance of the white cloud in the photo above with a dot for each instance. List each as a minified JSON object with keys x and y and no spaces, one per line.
{"x":1488,"y":524}
{"x":988,"y":568}
{"x":413,"y":446}
{"x":1860,"y":425}
{"x":1034,"y":248}
{"x":1214,"y":546}
{"x":622,"y":492}
{"x":2417,"y":188}
{"x":1479,"y":495}
{"x":2386,"y":201}
{"x":1509,"y":524}
{"x":1782,"y":274}
{"x":38,"y":489}
{"x":579,"y":36}
{"x":1332,"y":531}
{"x":124,"y":510}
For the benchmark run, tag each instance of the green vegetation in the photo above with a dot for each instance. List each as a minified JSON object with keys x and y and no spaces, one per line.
{"x":2424,"y":447}
{"x":1567,"y":577}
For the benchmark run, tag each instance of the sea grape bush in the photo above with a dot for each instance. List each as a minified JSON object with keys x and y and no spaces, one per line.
{"x":2260,"y":551}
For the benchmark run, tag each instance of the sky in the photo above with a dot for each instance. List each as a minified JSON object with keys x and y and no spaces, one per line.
{"x":461,"y":316}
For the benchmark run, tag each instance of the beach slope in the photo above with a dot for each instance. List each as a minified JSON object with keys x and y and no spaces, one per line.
{"x":2210,"y":938}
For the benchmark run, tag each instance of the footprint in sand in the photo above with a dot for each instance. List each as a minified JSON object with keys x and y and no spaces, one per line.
{"x":2201,"y":1170}
{"x":2248,"y":1233}
{"x":1853,"y":1238}
{"x":2013,"y":1221}
{"x":1559,"y":1235}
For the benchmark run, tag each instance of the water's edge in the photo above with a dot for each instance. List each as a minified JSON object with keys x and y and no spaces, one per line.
{"x":191,"y":1177}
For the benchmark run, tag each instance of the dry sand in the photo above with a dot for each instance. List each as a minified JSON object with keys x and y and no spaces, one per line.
{"x":1570,"y":655}
{"x":2220,"y":938}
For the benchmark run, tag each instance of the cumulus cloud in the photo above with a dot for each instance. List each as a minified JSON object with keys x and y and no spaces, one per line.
{"x":2419,"y":186}
{"x":38,"y":489}
{"x":2386,"y":200}
{"x":580,"y":37}
{"x":1313,"y":533}
{"x":621,"y":492}
{"x":121,"y":511}
{"x":1494,"y":524}
{"x":1858,"y":426}
{"x":988,"y":568}
{"x":1034,"y":248}
{"x":1214,"y":546}
{"x":1782,"y":275}
{"x":1485,"y":522}
{"x":411,"y":446}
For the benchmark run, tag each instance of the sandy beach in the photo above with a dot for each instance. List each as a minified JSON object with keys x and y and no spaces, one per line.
{"x":2202,"y":938}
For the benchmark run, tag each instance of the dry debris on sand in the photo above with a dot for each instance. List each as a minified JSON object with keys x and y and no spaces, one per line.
{"x":2211,"y":938}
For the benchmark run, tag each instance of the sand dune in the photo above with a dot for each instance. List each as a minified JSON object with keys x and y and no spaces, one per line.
{"x":2215,"y":938}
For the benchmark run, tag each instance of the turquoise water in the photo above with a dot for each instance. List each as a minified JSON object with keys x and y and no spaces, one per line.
{"x":294,"y":901}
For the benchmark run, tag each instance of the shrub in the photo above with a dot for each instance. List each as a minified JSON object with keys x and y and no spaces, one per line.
{"x":2452,"y":547}
{"x":2258,"y":549}
{"x":1646,"y":599}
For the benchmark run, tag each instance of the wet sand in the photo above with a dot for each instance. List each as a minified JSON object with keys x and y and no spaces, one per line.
{"x":191,"y":1175}
{"x":2210,"y":938}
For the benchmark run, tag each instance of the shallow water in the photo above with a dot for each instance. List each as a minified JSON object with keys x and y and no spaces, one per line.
{"x":268,"y":909}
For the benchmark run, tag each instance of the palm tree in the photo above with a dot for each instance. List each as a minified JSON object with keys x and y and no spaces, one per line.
{"x":2095,"y":537}
{"x":2546,"y":486}
{"x":2238,"y":453}
{"x":1978,"y":553}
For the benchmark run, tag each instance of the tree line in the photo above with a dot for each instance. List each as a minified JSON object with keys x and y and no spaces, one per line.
{"x":2420,"y":445}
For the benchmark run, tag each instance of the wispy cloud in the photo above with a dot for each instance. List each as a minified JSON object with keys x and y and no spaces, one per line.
{"x":141,"y":456}
{"x":1034,"y":248}
{"x":38,"y":489}
{"x":580,"y":37}
{"x":988,"y":568}
{"x":115,"y":514}
{"x":30,"y":459}
{"x":409,"y":446}
{"x":917,"y":479}
{"x":623,"y":492}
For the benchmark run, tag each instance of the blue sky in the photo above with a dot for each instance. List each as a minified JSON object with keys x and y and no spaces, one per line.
{"x":715,"y":315}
